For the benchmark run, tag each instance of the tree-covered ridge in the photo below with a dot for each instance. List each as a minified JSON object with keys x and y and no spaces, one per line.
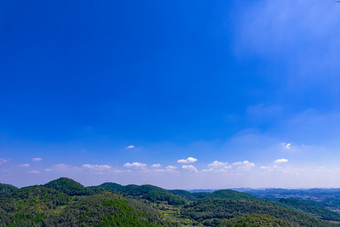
{"x":43,"y":206}
{"x":231,"y":194}
{"x":148,"y":192}
{"x":326,"y":198}
{"x":7,"y":188}
{"x":256,"y":220}
{"x":212,"y":211}
{"x":69,"y":187}
{"x":315,"y":209}
{"x":65,"y":202}
{"x":223,"y":194}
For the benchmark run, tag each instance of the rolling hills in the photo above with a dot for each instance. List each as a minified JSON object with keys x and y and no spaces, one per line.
{"x":65,"y":202}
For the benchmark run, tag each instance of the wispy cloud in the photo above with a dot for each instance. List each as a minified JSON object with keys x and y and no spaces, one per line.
{"x":301,"y":34}
{"x":282,"y":160}
{"x":244,"y":165}
{"x":97,"y":167}
{"x":190,"y":167}
{"x":286,"y":146}
{"x":34,"y":171}
{"x":156,"y":165}
{"x":25,"y":165}
{"x":170,"y":168}
{"x":188,"y":160}
{"x":135,"y":164}
{"x":36,"y":159}
{"x":218,"y":166}
{"x":130,"y":147}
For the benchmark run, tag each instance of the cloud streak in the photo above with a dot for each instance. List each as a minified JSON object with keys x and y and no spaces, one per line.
{"x":97,"y":167}
{"x":244,"y":165}
{"x":190,"y":168}
{"x":135,"y":164}
{"x":282,"y":160}
{"x":188,"y":160}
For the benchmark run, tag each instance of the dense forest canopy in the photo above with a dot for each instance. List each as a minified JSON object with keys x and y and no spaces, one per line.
{"x":65,"y":202}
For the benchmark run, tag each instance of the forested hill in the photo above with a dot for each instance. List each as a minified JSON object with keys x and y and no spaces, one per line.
{"x":65,"y":202}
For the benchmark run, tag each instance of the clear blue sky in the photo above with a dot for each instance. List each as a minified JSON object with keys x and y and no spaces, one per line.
{"x":180,"y":94}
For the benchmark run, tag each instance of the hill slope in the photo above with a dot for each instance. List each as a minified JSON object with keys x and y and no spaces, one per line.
{"x":69,"y":187}
{"x":43,"y":206}
{"x":212,"y":211}
{"x":148,"y":192}
{"x":65,"y":202}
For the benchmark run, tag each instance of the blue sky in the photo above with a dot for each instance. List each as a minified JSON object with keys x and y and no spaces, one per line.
{"x":180,"y":94}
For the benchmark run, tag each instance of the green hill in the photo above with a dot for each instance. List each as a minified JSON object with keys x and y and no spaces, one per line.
{"x":68,"y":186}
{"x":7,"y":188}
{"x":43,"y":206}
{"x":231,"y":194}
{"x":222,"y":194}
{"x":148,"y":192}
{"x":65,"y":202}
{"x":212,"y":211}
{"x":256,"y":220}
{"x":313,"y":209}
{"x":184,"y":194}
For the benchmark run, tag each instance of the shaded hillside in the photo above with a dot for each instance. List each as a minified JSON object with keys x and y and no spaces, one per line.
{"x":256,"y":220}
{"x":33,"y":205}
{"x":314,"y":209}
{"x":7,"y":188}
{"x":148,"y":192}
{"x":65,"y":202}
{"x":43,"y":206}
{"x":212,"y":211}
{"x":222,"y":194}
{"x":231,"y":194}
{"x":326,"y":198}
{"x":107,"y":209}
{"x":190,"y":196}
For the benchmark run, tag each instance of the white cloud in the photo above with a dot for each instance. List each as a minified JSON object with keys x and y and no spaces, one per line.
{"x":36,"y":159}
{"x":218,"y":166}
{"x":25,"y":165}
{"x":286,"y":146}
{"x":34,"y":171}
{"x":244,"y":165}
{"x":282,"y":160}
{"x":188,"y":160}
{"x":190,"y":167}
{"x":135,"y":164}
{"x":130,"y":147}
{"x":156,"y":165}
{"x":97,"y":167}
{"x":170,"y":168}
